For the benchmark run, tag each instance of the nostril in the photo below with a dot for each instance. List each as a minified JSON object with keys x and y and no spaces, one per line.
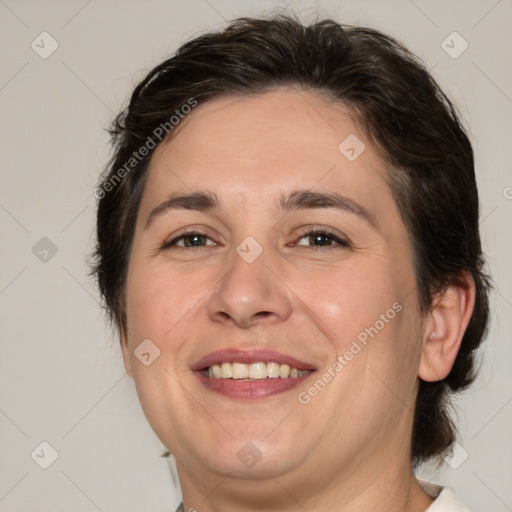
{"x":264,"y":313}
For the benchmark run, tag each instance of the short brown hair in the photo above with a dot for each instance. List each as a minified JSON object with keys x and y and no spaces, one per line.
{"x":407,"y":117}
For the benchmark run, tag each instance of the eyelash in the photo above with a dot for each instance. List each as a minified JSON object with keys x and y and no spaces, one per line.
{"x":171,"y":243}
{"x":342,"y":243}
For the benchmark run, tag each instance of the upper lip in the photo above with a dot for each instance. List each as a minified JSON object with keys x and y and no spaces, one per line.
{"x":248,"y":356}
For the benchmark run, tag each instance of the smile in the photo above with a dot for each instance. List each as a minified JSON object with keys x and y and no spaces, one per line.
{"x":251,"y":374}
{"x":254,"y":371}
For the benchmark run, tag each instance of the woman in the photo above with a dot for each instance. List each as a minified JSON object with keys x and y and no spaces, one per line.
{"x":288,"y":244}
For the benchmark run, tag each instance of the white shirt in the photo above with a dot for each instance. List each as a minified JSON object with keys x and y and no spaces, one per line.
{"x":446,"y":500}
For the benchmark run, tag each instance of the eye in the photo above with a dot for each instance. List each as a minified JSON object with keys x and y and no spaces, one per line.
{"x":321,"y":238}
{"x":190,"y":239}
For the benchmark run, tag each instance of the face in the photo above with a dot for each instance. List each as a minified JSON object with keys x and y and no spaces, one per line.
{"x":287,"y":251}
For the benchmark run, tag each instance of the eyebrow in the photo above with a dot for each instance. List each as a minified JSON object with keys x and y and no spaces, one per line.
{"x":205,"y":201}
{"x":308,"y":199}
{"x":198,"y":201}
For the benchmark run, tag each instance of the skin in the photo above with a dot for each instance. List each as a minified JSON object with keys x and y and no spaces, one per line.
{"x":349,"y":447}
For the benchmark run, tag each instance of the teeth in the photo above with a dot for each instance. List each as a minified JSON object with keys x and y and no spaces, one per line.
{"x":217,"y":371}
{"x":254,"y":371}
{"x":240,"y":371}
{"x":226,"y":371}
{"x":258,"y":371}
{"x":273,"y":370}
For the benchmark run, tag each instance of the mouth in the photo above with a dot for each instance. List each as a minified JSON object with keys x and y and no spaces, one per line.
{"x":253,"y":371}
{"x":250,"y":374}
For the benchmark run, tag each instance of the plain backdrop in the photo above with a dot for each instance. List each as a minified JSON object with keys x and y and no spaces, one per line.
{"x":61,"y":376}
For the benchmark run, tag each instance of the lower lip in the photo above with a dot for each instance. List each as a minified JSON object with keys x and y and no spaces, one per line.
{"x":250,"y":389}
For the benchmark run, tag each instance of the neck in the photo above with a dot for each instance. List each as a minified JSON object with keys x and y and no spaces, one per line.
{"x":386,"y":486}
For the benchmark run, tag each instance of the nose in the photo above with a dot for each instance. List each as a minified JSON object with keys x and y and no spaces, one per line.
{"x":250,"y":294}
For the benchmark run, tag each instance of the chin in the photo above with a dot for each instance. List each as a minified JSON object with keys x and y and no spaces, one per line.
{"x":252,"y":458}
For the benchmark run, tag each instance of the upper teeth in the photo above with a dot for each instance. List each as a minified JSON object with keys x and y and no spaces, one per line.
{"x":254,"y":371}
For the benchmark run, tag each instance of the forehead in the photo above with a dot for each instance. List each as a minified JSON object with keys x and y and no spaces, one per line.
{"x":257,"y":146}
{"x":282,"y":123}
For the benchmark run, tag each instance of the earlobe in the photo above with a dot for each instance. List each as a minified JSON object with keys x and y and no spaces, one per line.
{"x":444,"y":328}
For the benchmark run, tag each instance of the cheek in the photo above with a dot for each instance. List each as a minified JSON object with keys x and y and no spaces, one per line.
{"x":351,"y":301}
{"x":369,"y":316}
{"x":159,"y":309}
{"x":157,"y":301}
{"x":372,"y":325}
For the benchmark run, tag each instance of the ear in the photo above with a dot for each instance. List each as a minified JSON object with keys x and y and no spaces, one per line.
{"x":444,"y":328}
{"x":126,"y":355}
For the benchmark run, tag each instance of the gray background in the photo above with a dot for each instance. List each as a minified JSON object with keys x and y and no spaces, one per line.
{"x":61,"y":375}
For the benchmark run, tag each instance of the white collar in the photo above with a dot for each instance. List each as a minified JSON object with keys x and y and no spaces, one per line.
{"x":446,"y":500}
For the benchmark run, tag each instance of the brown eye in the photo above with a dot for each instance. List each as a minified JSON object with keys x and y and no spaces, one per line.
{"x":190,"y":240}
{"x":320,"y":239}
{"x":194,"y":240}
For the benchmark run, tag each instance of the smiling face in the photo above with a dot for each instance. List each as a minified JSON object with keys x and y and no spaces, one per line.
{"x":285,"y":250}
